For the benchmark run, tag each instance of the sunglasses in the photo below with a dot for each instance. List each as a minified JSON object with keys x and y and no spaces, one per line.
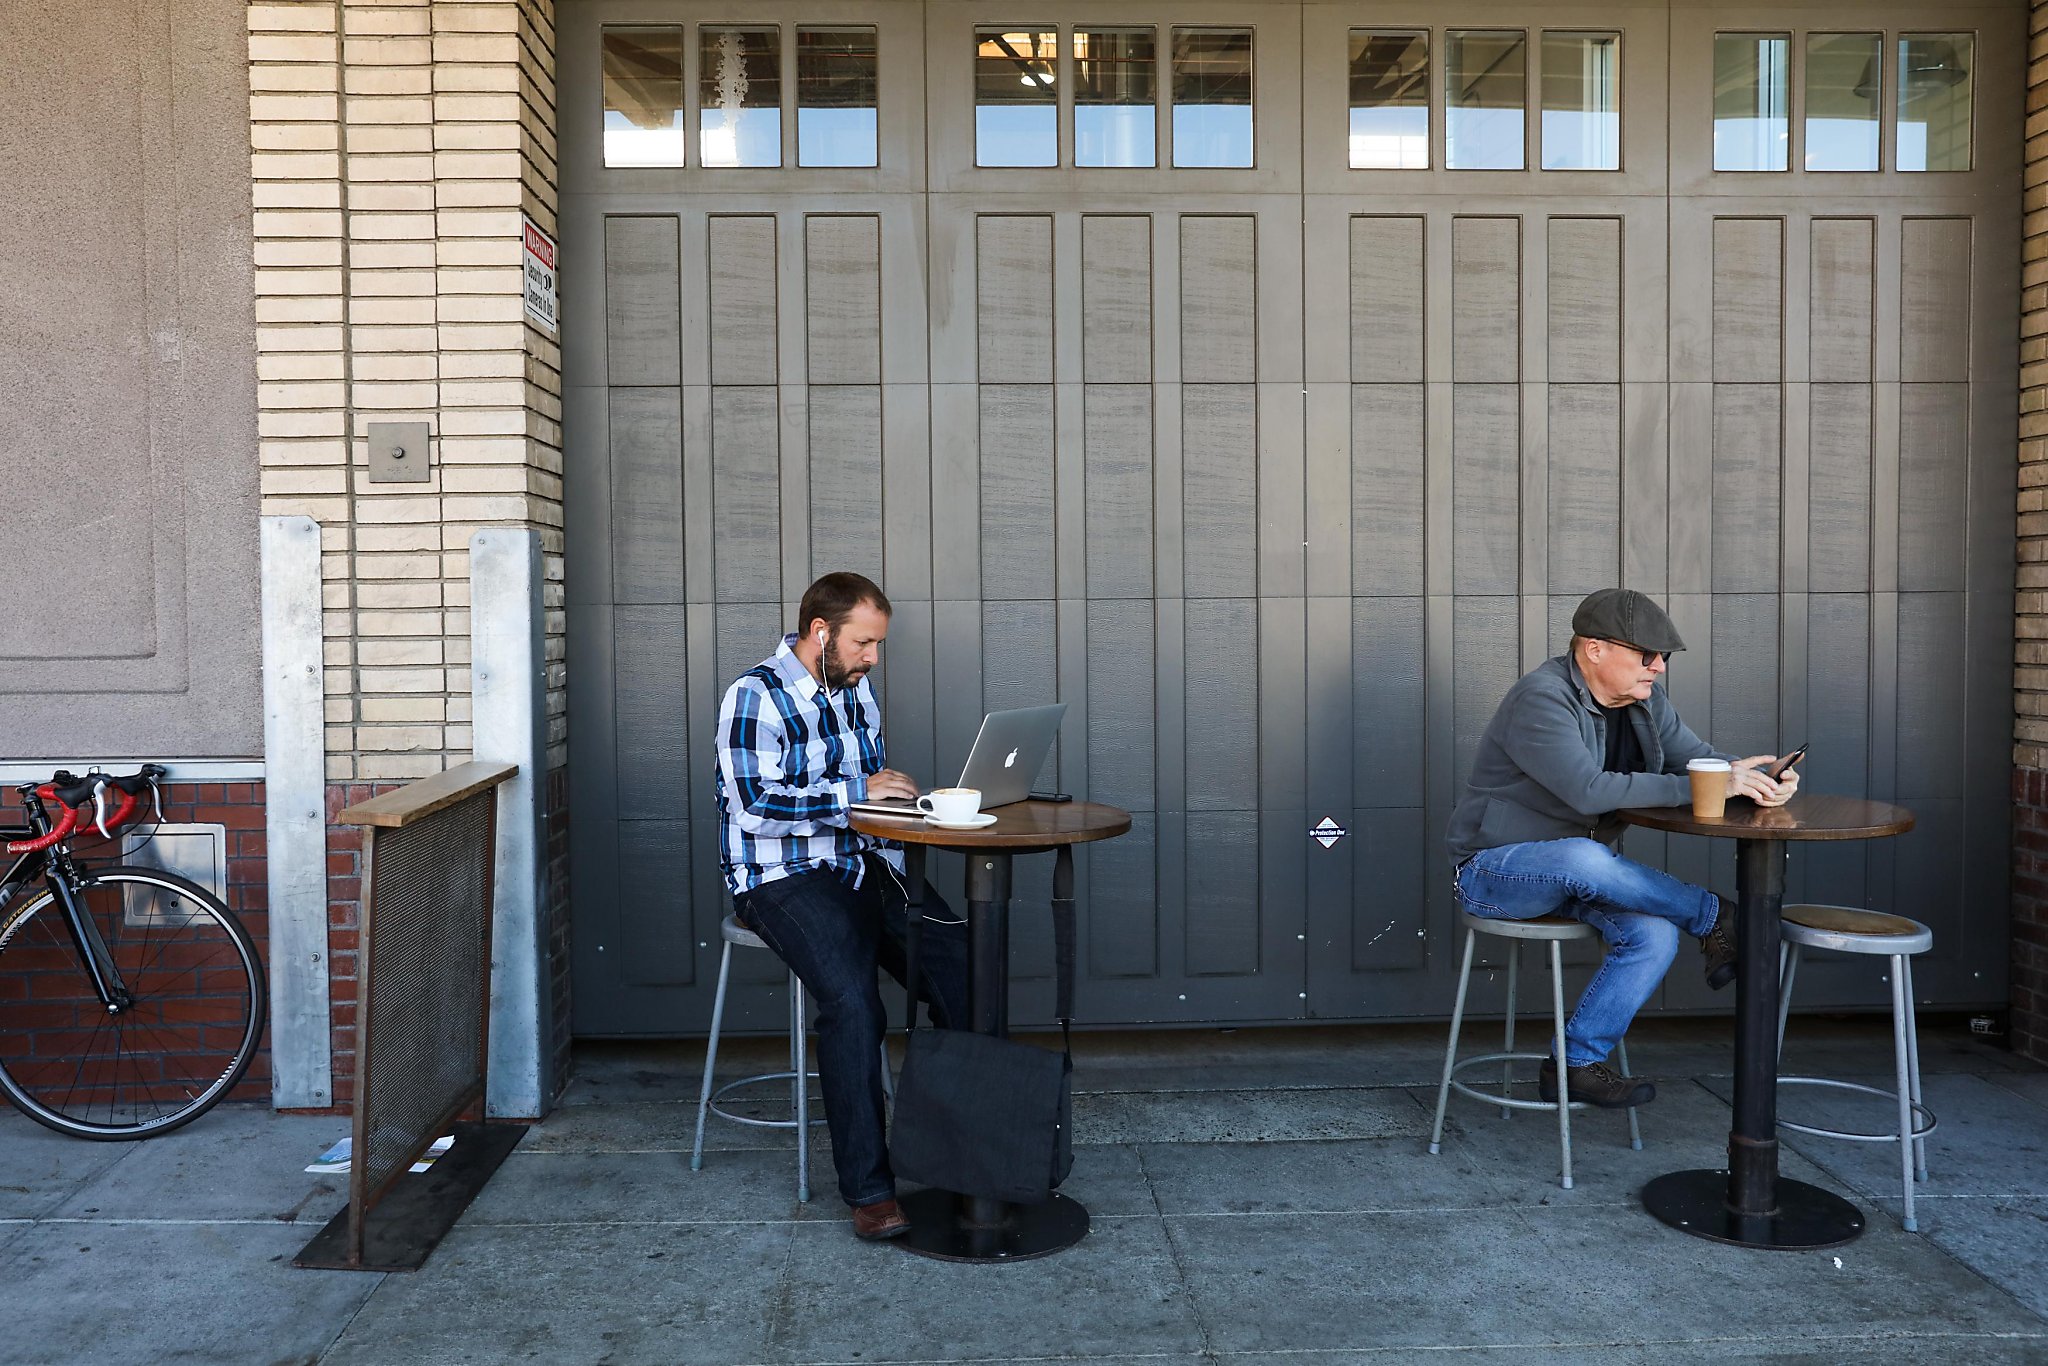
{"x":1650,"y":657}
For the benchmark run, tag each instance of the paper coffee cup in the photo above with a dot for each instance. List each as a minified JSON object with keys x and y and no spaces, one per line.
{"x":954,"y":805}
{"x":1709,"y":787}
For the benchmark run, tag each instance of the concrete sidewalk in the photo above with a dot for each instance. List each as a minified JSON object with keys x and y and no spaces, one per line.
{"x":1258,"y":1197}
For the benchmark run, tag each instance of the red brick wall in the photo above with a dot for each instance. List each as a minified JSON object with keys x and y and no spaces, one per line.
{"x":2029,"y":989}
{"x":239,"y":808}
{"x":344,"y":925}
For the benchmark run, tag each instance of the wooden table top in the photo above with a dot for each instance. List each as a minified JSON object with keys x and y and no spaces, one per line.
{"x":1808,"y":816}
{"x":1020,"y":825}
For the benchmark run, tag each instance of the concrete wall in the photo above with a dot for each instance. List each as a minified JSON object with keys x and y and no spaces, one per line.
{"x":128,"y":364}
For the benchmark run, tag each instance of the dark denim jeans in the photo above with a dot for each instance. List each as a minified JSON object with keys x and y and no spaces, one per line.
{"x":833,"y":938}
{"x":1638,"y":911}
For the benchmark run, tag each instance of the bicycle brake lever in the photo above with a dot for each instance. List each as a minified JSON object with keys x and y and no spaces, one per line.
{"x":99,"y":807}
{"x":156,"y":800}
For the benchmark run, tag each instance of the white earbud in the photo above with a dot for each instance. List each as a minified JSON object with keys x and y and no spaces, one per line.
{"x":821,"y":640}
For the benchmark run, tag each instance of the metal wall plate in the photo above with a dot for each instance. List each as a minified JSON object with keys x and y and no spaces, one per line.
{"x":197,"y":852}
{"x":399,"y":452}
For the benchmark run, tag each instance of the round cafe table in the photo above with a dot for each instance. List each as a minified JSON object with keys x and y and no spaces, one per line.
{"x":960,"y":1228}
{"x":1749,"y":1204}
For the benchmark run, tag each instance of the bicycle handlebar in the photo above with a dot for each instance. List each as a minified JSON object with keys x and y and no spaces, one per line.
{"x":74,"y":793}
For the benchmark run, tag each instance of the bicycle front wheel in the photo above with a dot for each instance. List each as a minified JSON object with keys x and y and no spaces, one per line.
{"x":192,"y":1023}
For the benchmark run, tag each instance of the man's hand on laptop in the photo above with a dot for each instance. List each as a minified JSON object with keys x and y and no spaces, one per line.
{"x":889,"y":783}
{"x":1748,"y":779}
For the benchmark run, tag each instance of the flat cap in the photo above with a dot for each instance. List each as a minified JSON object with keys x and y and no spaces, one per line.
{"x":1625,"y":615}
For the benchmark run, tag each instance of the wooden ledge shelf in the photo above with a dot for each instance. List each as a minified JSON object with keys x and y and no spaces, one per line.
{"x":404,"y":805}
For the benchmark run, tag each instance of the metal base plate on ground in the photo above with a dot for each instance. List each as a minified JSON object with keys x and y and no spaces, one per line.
{"x":406,"y":1225}
{"x":1807,"y":1217}
{"x":939,"y":1228}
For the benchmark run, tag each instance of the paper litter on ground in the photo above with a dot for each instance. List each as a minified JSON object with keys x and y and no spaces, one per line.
{"x":336,"y":1160}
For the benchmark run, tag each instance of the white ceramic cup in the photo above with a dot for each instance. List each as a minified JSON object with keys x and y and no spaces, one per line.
{"x":953,"y":805}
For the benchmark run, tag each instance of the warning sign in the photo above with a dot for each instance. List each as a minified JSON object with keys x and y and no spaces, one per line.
{"x":538,"y":254}
{"x":1327,"y":832}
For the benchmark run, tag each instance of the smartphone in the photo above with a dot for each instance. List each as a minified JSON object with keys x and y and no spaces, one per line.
{"x":1777,"y":770}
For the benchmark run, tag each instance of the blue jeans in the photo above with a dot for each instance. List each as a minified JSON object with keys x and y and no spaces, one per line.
{"x":833,"y":938}
{"x":1637,"y":910}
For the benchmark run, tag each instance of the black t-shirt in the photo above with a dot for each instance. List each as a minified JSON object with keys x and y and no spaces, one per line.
{"x":1624,"y":752}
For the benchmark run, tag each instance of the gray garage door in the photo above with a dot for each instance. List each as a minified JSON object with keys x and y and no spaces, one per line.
{"x":1279,"y":474}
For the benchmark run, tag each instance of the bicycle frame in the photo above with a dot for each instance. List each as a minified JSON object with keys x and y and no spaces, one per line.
{"x":62,"y":875}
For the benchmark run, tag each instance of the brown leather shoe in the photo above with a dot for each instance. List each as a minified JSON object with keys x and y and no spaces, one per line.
{"x":883,"y":1219}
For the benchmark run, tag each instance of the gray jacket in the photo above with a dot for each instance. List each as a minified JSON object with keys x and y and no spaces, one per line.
{"x":1538,"y":775}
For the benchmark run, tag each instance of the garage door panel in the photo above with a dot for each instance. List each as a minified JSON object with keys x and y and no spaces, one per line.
{"x":1219,"y":491}
{"x":1121,"y":912}
{"x":845,"y":462}
{"x":1585,"y":287}
{"x":746,"y":490}
{"x":1116,"y":298}
{"x":1486,"y":299}
{"x":1017,"y":490}
{"x":1122,"y":731}
{"x":1013,"y":300}
{"x":1218,"y":298}
{"x":843,"y":298}
{"x":1117,"y":451}
{"x":1843,"y":283}
{"x":645,"y":432}
{"x":1389,"y":454}
{"x":1387,"y":274}
{"x":642,"y":300}
{"x":1934,"y":300}
{"x":1749,"y":303}
{"x":1091,"y":474}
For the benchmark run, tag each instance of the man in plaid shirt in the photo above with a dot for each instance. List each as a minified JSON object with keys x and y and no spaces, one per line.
{"x":799,"y":741}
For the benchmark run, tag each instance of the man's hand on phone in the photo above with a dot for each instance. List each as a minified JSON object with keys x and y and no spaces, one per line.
{"x":1750,"y":778}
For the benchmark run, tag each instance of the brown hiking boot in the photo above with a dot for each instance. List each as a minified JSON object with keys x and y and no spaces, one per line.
{"x":1717,"y":947}
{"x":1596,"y":1084}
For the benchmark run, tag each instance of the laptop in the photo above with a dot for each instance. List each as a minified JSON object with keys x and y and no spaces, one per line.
{"x":1008,"y":752}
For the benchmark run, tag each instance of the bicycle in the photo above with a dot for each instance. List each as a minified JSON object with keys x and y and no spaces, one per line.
{"x":131,"y":999}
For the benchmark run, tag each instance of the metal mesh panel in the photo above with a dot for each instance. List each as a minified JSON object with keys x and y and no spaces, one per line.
{"x":425,"y":936}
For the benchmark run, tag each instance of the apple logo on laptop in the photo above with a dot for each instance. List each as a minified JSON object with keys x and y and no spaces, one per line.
{"x":1011,"y":762}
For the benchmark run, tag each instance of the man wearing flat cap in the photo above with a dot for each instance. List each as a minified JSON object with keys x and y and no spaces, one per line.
{"x":1577,"y":739}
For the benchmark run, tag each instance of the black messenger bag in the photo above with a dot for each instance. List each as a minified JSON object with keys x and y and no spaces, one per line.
{"x":980,"y":1115}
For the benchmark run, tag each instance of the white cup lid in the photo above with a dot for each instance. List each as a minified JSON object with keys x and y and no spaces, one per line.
{"x":1711,"y":765}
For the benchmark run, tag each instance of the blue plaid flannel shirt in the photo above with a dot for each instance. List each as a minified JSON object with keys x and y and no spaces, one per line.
{"x":791,"y":757}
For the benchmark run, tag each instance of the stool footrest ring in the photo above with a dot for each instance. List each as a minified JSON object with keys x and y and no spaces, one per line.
{"x":1924,"y":1122}
{"x":723,"y":1113}
{"x":1464,"y":1088}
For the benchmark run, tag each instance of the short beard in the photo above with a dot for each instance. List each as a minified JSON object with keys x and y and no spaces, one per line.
{"x":836,"y":672}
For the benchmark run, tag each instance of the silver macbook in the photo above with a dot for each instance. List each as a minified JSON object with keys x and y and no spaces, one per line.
{"x":1007,"y":754}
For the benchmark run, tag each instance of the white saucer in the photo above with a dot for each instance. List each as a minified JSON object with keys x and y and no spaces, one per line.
{"x":980,"y":822}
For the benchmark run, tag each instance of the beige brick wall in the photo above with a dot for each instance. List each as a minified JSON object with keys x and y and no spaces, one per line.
{"x":394,"y":148}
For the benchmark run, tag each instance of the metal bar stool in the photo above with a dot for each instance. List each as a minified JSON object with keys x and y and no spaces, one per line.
{"x":1555,"y":930}
{"x":1850,"y":929}
{"x":798,"y":1076}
